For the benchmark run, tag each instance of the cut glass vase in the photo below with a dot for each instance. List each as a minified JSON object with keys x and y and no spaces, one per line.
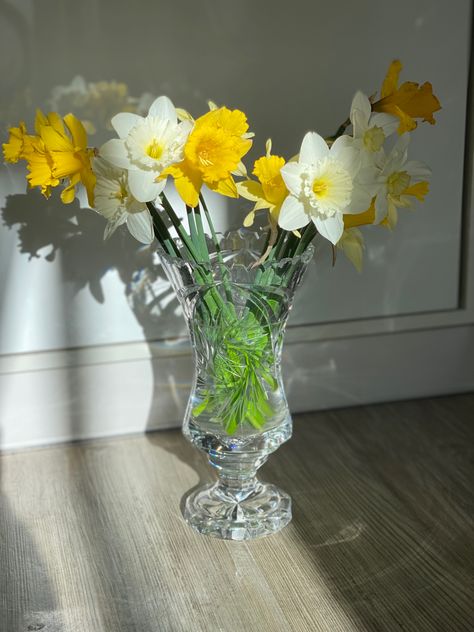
{"x":236,"y":310}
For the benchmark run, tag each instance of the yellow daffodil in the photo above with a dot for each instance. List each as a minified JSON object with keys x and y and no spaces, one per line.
{"x":270,"y":191}
{"x":213,"y":152}
{"x":407,"y":102}
{"x":18,"y":143}
{"x":71,"y":158}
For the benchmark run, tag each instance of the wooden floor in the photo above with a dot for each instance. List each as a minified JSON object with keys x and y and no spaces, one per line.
{"x":92,"y":538}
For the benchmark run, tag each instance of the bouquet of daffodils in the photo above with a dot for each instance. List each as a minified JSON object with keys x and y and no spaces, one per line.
{"x":360,"y":175}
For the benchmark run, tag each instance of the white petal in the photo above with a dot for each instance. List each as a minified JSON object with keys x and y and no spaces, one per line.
{"x":360,"y":199}
{"x":116,"y":153}
{"x":114,"y":223}
{"x":162,"y":107}
{"x":417,"y":169}
{"x":291,"y":174}
{"x":342,"y":149}
{"x":387,"y":122}
{"x":124,"y":121}
{"x":143,"y":186}
{"x":140,"y":226}
{"x":292,"y":214}
{"x":360,"y":113}
{"x":331,"y":227}
{"x":313,"y":148}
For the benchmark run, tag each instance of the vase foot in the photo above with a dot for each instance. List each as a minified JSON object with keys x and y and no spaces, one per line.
{"x":238,"y":515}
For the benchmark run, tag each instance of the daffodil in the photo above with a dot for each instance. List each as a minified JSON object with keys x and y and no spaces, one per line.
{"x":115,"y":202}
{"x":369,"y":130}
{"x":323,"y":186}
{"x":18,"y":143}
{"x":147,"y":146}
{"x":213,"y":152}
{"x":270,"y":191}
{"x":407,"y":102}
{"x":400,"y":183}
{"x":65,"y":145}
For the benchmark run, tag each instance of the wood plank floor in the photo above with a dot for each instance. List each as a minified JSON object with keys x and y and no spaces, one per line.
{"x":92,"y":538}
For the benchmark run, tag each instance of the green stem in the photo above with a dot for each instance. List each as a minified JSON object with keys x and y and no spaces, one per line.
{"x":161,"y":232}
{"x":225,"y":277}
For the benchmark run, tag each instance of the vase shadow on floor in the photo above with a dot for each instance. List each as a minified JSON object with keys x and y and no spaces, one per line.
{"x":173,"y":442}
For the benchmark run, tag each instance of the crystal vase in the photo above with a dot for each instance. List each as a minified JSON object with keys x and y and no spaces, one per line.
{"x":236,"y":310}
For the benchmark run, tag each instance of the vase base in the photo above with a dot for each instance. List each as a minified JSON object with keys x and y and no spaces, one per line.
{"x":222,"y":513}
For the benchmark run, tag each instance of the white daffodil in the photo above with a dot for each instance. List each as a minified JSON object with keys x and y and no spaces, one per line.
{"x":369,"y":130}
{"x":400,"y":182}
{"x":115,"y":202}
{"x":147,"y":146}
{"x":323,"y":185}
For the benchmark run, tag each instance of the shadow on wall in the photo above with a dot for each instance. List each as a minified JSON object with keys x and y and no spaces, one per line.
{"x":71,"y":237}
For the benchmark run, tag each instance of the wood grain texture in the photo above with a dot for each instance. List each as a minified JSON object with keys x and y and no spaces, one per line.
{"x":92,"y":538}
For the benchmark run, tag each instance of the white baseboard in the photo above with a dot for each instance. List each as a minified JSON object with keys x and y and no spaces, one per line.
{"x":96,"y":399}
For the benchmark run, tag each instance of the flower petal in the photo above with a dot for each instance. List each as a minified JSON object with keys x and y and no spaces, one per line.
{"x":78,"y":133}
{"x":390,"y":83}
{"x":291,"y":174}
{"x":162,"y":107}
{"x":143,"y":186}
{"x":114,"y":223}
{"x":140,"y":226}
{"x":330,"y":227}
{"x":387,"y":122}
{"x":313,"y":148}
{"x":342,"y":149}
{"x":293,"y":214}
{"x":116,"y":153}
{"x":250,"y":190}
{"x":124,"y":122}
{"x":360,"y":113}
{"x":417,"y":169}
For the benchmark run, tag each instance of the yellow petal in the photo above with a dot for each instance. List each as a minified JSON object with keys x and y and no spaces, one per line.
{"x":352,"y":244}
{"x":418,"y":190}
{"x":224,"y":187}
{"x":69,"y":192}
{"x":249,"y":219}
{"x":78,"y":133}
{"x":390,"y":83}
{"x":40,"y":120}
{"x":188,"y":182}
{"x":54,"y":141}
{"x":14,"y":149}
{"x":88,"y":179}
{"x":250,"y":190}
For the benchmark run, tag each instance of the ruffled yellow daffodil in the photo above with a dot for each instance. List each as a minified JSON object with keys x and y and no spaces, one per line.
{"x":407,"y":102}
{"x":213,"y":152}
{"x":19,"y":143}
{"x":66,"y":144}
{"x":270,"y":191}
